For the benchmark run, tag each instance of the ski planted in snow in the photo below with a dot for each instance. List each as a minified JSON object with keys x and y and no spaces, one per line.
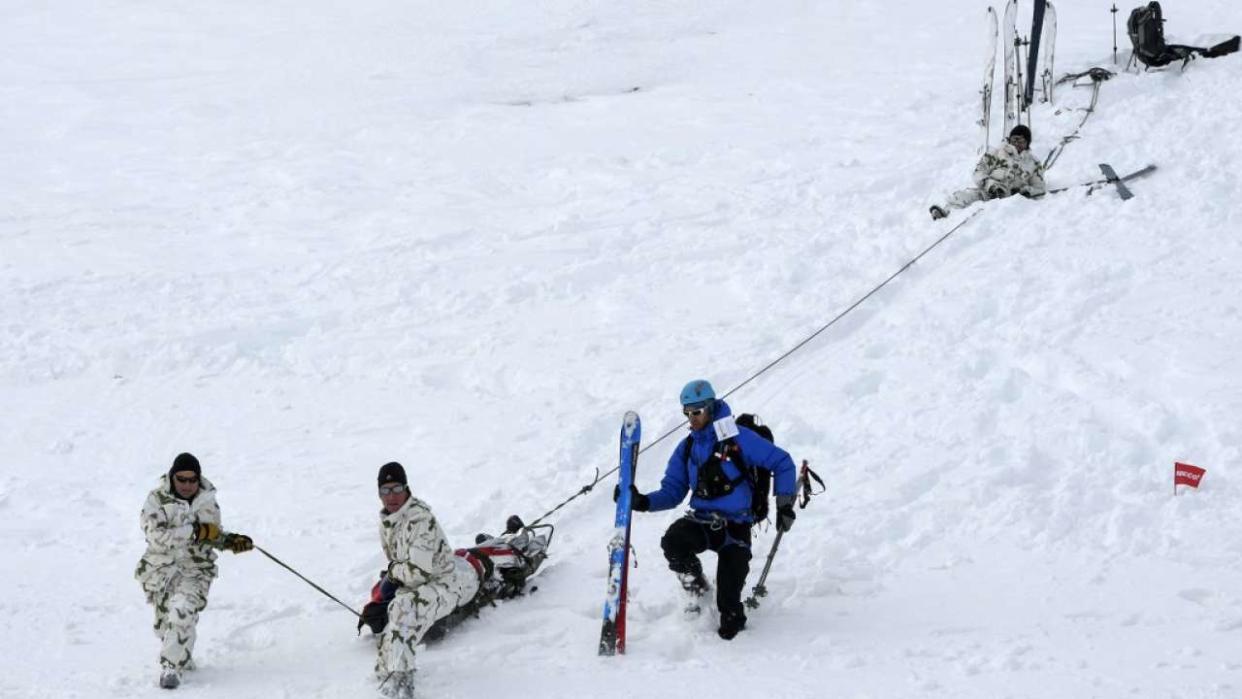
{"x":1011,"y":67}
{"x":989,"y":77}
{"x":1050,"y":47}
{"x":1032,"y":65}
{"x":612,"y":636}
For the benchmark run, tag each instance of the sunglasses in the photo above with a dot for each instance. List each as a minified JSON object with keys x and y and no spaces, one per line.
{"x":690,"y":411}
{"x":186,"y":481}
{"x":395,"y":488}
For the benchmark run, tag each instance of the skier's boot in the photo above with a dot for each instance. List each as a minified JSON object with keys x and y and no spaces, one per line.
{"x":695,"y":586}
{"x":170,"y":678}
{"x":400,"y":685}
{"x":938,"y":213}
{"x":730,"y":624}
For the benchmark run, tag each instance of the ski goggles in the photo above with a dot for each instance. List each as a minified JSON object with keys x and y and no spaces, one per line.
{"x":394,"y":488}
{"x":186,"y":481}
{"x":695,"y":409}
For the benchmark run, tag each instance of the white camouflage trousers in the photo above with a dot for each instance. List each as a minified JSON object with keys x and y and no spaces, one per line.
{"x":965,"y":197}
{"x":413,"y":611}
{"x":177,"y":601}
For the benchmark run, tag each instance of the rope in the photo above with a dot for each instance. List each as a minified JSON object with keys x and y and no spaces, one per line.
{"x":308,"y":582}
{"x":598,"y":476}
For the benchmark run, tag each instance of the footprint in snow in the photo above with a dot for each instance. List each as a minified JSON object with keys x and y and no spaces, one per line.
{"x":1197,"y":595}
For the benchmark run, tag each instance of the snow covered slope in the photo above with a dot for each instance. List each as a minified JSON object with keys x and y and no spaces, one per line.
{"x":303,"y":239}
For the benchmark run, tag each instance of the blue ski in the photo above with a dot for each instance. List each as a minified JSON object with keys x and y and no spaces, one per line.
{"x":612,"y":637}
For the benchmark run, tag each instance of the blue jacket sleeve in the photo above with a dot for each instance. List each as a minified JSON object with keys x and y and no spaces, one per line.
{"x":674,"y":485}
{"x":760,"y":453}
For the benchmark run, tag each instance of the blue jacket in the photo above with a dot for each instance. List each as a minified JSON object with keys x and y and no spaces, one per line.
{"x":681,"y":475}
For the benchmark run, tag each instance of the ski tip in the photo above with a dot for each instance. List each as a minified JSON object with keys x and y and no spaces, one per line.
{"x":631,"y":427}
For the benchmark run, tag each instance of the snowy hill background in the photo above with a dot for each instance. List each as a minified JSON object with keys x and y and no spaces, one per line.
{"x":303,"y":239}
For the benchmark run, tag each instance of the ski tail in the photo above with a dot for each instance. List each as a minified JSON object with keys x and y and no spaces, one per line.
{"x":1011,"y":65}
{"x":1050,"y":46}
{"x":612,"y":633}
{"x":989,"y":77}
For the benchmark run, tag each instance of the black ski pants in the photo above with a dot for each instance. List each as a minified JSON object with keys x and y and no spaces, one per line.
{"x":688,"y":537}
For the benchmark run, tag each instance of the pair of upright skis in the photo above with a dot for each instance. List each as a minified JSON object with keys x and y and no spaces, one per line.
{"x":1018,"y":97}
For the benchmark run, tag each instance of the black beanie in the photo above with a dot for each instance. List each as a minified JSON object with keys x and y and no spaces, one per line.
{"x":185,"y":462}
{"x":1021,"y":130}
{"x":392,"y":472}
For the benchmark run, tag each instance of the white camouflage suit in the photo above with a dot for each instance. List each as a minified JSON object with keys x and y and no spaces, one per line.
{"x":1004,"y":169}
{"x":433,"y":582}
{"x":176,"y":571}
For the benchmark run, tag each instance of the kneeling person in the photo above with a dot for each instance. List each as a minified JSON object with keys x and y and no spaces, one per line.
{"x":430,"y":582}
{"x":713,"y":465}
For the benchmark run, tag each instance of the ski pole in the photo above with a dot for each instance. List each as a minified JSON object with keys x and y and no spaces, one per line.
{"x":1094,"y":183}
{"x":806,"y":491}
{"x":760,"y":590}
{"x":304,"y":579}
{"x":1114,"y":11}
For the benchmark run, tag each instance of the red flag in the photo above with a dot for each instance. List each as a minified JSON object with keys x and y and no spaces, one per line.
{"x":1185,"y":474}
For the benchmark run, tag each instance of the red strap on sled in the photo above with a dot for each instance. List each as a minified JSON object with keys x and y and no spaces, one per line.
{"x":471,"y":559}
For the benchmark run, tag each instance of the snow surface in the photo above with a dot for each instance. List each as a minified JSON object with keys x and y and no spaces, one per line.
{"x":300,"y":239}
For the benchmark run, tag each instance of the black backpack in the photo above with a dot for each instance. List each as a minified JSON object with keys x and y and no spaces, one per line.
{"x":1146,"y":29}
{"x":760,"y":479}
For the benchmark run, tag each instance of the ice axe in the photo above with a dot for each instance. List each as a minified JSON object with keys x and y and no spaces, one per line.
{"x":760,"y":590}
{"x":804,"y":489}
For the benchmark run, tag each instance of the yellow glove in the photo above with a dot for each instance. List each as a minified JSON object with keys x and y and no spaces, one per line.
{"x":206,"y":531}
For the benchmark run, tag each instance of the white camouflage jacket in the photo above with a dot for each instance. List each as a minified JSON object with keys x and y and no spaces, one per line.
{"x":1016,"y":173}
{"x":417,"y":550}
{"x":168,"y":524}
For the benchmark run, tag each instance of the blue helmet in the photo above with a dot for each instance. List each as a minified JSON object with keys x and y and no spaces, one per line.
{"x":697,"y":391}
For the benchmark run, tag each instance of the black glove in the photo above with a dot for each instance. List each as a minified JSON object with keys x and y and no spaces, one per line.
{"x":785,"y":514}
{"x":375,"y":616}
{"x":638,"y":501}
{"x":237,"y":543}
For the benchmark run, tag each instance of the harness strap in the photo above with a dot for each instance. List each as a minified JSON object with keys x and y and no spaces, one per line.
{"x":715,"y":522}
{"x":728,"y":450}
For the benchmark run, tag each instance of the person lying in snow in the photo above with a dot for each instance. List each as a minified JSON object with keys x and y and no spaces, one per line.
{"x":1007,"y":170}
{"x":429,"y":588}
